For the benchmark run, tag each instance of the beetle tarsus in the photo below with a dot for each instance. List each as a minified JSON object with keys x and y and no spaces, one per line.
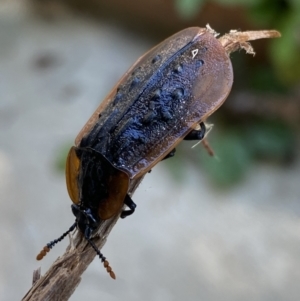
{"x":196,"y":134}
{"x":130,"y":203}
{"x":170,"y":154}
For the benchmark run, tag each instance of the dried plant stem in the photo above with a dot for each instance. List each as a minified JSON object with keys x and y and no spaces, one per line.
{"x":235,"y":40}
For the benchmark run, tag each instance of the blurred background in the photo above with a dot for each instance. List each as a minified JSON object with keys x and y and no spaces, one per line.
{"x":223,"y":228}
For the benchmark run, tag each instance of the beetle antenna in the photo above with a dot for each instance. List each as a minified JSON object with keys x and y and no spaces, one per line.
{"x":103,"y":259}
{"x":49,"y":246}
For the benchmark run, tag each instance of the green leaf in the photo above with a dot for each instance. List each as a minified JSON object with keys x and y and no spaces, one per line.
{"x":230,"y":162}
{"x":187,"y":9}
{"x":284,"y":52}
{"x":270,"y":140}
{"x":264,"y":80}
{"x":238,"y":2}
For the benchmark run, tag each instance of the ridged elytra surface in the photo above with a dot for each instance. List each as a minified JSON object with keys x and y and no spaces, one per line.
{"x":169,"y":90}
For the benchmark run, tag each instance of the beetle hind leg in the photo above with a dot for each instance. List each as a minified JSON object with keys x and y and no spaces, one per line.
{"x":196,"y":134}
{"x":130,"y":203}
{"x":170,"y":154}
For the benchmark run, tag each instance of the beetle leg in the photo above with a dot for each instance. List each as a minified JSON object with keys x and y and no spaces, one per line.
{"x":128,"y":202}
{"x":196,"y":134}
{"x":170,"y":154}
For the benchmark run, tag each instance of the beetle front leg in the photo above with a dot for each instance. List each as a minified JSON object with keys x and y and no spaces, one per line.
{"x":196,"y":134}
{"x":130,"y":203}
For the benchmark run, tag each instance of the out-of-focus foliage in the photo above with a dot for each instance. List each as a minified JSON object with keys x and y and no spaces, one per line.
{"x":269,"y":140}
{"x":263,"y":79}
{"x":237,"y":148}
{"x":284,"y":52}
{"x":188,"y":8}
{"x":230,"y":161}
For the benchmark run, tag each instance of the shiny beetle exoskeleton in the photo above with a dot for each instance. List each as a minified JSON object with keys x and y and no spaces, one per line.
{"x":159,"y":101}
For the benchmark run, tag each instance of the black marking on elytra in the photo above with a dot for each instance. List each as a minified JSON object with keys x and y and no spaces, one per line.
{"x":149,"y":117}
{"x":134,"y":72}
{"x":134,"y":83}
{"x":178,"y":69}
{"x":199,"y":63}
{"x":178,"y":93}
{"x":157,"y":94}
{"x":156,"y":59}
{"x":166,"y":115}
{"x":117,"y":98}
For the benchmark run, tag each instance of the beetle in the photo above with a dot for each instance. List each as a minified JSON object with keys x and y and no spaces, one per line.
{"x":159,"y":101}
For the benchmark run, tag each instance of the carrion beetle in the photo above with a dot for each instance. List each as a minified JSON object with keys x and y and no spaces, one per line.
{"x":160,"y":101}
